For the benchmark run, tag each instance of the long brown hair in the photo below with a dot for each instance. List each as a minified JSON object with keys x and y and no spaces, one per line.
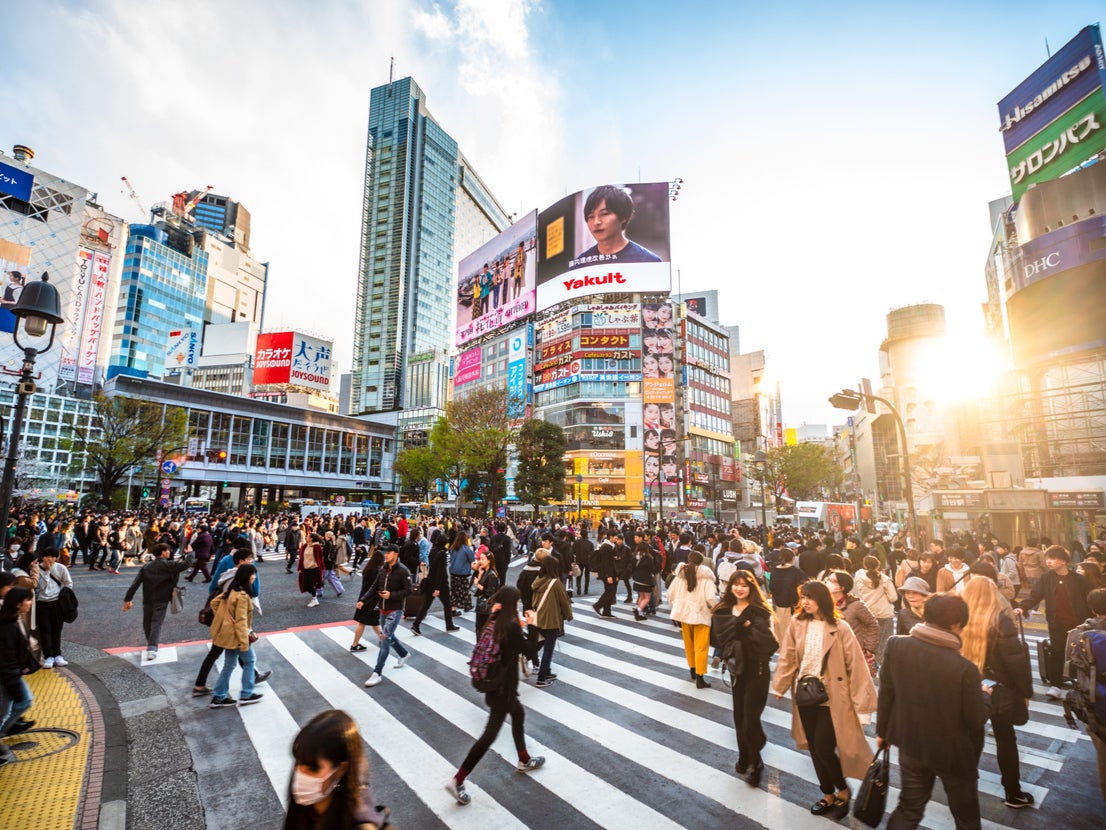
{"x":984,"y":609}
{"x":727,"y":601}
{"x":694,"y":560}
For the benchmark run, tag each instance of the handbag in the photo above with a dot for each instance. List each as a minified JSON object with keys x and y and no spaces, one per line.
{"x":252,"y":635}
{"x":810,"y":690}
{"x":1006,"y":703}
{"x":871,"y":799}
{"x":576,"y":572}
{"x":176,"y":600}
{"x":206,"y":615}
{"x":733,"y":662}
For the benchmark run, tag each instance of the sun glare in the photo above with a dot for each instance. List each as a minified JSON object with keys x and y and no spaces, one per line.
{"x":957,"y":368}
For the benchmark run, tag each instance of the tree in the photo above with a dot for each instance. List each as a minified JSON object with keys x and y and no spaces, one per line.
{"x":418,"y":469}
{"x":806,"y":469}
{"x":124,"y":433}
{"x":541,"y":470}
{"x":472,"y":441}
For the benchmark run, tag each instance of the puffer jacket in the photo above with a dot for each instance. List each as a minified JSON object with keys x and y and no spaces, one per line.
{"x":230,"y":627}
{"x":692,"y":607}
{"x":860,"y":619}
{"x":880,"y":598}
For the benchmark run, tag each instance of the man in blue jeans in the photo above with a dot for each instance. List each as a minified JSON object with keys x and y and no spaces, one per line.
{"x":389,"y":590}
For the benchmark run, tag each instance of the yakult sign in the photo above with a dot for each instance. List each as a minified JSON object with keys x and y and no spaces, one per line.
{"x":289,"y":357}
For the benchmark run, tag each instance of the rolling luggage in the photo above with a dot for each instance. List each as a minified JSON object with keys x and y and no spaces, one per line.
{"x":413,"y":604}
{"x":1044,"y":651}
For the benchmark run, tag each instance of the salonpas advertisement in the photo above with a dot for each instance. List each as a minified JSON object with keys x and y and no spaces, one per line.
{"x":1070,"y":140}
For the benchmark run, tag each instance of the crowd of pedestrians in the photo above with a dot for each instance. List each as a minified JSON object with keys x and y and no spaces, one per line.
{"x":926,"y":642}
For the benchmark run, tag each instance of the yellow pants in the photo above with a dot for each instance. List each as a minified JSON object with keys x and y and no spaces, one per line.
{"x":696,"y":646}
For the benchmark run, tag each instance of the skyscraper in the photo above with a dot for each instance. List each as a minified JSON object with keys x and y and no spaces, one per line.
{"x":424,"y":206}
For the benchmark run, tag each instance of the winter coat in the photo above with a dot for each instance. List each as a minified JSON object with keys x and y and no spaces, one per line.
{"x":232,"y":621}
{"x":556,"y":609}
{"x":692,"y":607}
{"x":460,"y":561}
{"x":1032,"y":562}
{"x":752,"y":627}
{"x":157,"y":579}
{"x":437,"y":573}
{"x":1007,"y":661}
{"x":950,"y":580}
{"x":848,"y":684}
{"x":396,"y":581}
{"x":880,"y":599}
{"x":644,"y":570}
{"x":861,"y":620}
{"x":1046,"y":587}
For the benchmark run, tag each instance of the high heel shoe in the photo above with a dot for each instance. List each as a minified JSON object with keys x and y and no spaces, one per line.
{"x":753,"y":778}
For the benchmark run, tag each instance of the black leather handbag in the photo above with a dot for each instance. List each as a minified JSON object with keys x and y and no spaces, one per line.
{"x":871,"y":799}
{"x":810,"y":690}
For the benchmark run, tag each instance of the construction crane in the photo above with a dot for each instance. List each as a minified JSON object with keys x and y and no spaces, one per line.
{"x":182,"y":205}
{"x":137,"y":201}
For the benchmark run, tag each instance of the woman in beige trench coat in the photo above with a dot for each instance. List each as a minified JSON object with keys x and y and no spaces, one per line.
{"x":818,"y":643}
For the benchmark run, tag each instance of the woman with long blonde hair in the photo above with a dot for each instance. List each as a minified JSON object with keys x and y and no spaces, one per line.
{"x":742,"y":623}
{"x":991,"y":641}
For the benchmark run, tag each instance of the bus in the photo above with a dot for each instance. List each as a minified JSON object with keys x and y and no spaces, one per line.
{"x":197,"y":505}
{"x":832,"y":516}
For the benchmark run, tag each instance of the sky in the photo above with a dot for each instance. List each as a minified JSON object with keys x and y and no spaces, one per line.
{"x":837,"y":162}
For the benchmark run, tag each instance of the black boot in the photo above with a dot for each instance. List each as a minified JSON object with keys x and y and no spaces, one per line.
{"x":701,"y":682}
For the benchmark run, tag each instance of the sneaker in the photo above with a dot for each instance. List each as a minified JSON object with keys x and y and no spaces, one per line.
{"x":313,"y":603}
{"x":1018,"y":800}
{"x":60,"y":662}
{"x":6,"y":755}
{"x":48,"y":663}
{"x":534,"y":762}
{"x":358,"y":647}
{"x":20,"y":726}
{"x":545,"y":681}
{"x":201,"y":691}
{"x":261,"y":677}
{"x":151,"y":655}
{"x":458,"y":792}
{"x":453,"y":628}
{"x":1054,"y":693}
{"x":373,"y":680}
{"x":414,"y":630}
{"x":402,"y":661}
{"x":222,"y":702}
{"x":246,"y":700}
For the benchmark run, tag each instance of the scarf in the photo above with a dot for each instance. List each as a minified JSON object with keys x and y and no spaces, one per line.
{"x":935,"y":636}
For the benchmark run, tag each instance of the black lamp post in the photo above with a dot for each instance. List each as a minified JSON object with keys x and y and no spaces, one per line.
{"x":38,"y":311}
{"x":760,"y":458}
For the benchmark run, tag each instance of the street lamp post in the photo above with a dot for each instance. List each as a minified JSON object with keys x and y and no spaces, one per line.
{"x":760,"y":458}
{"x":850,"y":400}
{"x":579,"y":496}
{"x":38,"y":310}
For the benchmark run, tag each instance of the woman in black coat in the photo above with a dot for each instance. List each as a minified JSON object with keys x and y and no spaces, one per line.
{"x":990,"y":641}
{"x":436,"y":585}
{"x":644,"y":568}
{"x":504,"y":700}
{"x":743,"y":617}
{"x":16,"y":695}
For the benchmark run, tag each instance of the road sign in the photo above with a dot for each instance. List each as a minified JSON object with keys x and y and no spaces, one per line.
{"x":339,"y":499}
{"x":169,"y":467}
{"x":165,"y":482}
{"x":164,"y":501}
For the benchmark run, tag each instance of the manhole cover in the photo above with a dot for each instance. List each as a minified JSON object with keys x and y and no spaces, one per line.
{"x":40,"y":743}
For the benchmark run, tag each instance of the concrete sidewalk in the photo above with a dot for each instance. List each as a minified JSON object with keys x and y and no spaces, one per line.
{"x":106,"y":752}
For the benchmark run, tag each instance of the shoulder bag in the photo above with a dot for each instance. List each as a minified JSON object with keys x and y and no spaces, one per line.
{"x":810,"y":690}
{"x":871,"y":799}
{"x":67,"y":601}
{"x":176,"y":600}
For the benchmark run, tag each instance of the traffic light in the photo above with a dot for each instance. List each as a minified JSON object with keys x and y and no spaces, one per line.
{"x":145,"y":492}
{"x":216,"y":455}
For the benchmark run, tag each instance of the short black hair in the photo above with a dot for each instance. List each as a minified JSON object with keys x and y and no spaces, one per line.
{"x":618,"y":202}
{"x":945,"y":611}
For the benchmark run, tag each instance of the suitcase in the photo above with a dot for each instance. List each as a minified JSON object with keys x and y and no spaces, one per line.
{"x":1044,"y":651}
{"x":413,"y":604}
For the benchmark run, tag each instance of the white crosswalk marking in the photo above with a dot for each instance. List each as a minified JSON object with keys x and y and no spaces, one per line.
{"x":622,"y":706}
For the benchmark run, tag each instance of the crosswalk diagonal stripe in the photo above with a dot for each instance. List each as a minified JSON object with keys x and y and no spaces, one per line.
{"x":401,"y":749}
{"x":604,"y":804}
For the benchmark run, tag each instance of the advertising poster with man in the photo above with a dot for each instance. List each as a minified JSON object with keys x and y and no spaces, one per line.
{"x":612,"y":238}
{"x":495,"y":283}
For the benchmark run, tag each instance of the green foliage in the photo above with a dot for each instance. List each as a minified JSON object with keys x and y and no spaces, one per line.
{"x":807,"y":469}
{"x":125,"y":433}
{"x":471,"y":442}
{"x":541,"y":471}
{"x":418,"y":468}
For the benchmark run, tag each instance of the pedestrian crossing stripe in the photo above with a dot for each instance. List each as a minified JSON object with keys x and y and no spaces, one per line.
{"x":640,"y":685}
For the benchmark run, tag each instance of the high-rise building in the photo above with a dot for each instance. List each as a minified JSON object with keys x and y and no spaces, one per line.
{"x":424,"y":206}
{"x":222,"y":215}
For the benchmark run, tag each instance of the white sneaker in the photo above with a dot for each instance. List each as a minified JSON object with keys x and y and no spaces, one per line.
{"x":1054,"y":693}
{"x":401,"y":661}
{"x":313,"y":603}
{"x":374,"y":679}
{"x":151,"y":655}
{"x":48,"y":663}
{"x":59,"y":662}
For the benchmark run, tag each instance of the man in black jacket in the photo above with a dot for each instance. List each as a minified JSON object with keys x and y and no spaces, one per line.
{"x":931,"y":707}
{"x":582,"y":550}
{"x":607,"y":570}
{"x":158,"y":578}
{"x":1065,"y":595}
{"x":389,"y":590}
{"x":436,"y":585}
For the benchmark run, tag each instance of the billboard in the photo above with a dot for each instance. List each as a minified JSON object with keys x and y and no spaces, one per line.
{"x":1053,"y":120}
{"x":293,"y":358}
{"x":517,"y":393}
{"x":658,"y":393}
{"x":94,"y":319}
{"x":468,"y":367}
{"x":184,"y":349}
{"x":495,"y":283}
{"x":612,"y":238}
{"x":16,"y":182}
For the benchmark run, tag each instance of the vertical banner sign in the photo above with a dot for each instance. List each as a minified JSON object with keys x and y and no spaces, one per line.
{"x":74,"y":315}
{"x":658,"y":348}
{"x":94,"y":319}
{"x":516,"y":374}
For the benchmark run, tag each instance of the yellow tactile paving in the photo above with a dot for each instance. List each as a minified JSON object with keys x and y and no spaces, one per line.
{"x":42,"y":789}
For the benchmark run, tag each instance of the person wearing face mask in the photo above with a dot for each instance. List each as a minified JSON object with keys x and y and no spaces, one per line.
{"x":330,"y":780}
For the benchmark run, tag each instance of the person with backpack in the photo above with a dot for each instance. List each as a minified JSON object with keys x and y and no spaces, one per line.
{"x":494,"y":671}
{"x":1086,"y":664}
